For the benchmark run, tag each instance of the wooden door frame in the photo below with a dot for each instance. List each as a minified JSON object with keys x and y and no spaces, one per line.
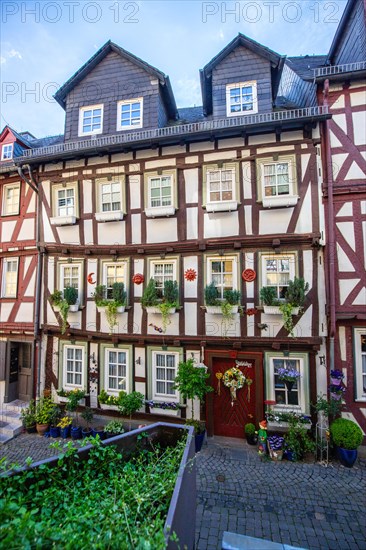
{"x":18,"y":341}
{"x":257,"y":357}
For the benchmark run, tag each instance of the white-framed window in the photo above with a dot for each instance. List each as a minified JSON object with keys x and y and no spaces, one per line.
{"x":91,"y":120}
{"x":70,"y":276}
{"x":277,"y":181}
{"x":160,"y":193}
{"x":130,"y":114}
{"x":110,"y":196}
{"x":113,"y":273}
{"x":116,"y":370}
{"x":277,"y":271}
{"x":359,"y":345}
{"x":164,"y":367}
{"x":7,"y":151}
{"x":65,"y":202}
{"x":223,"y":272}
{"x":298,"y":398}
{"x":10,"y":278}
{"x":241,"y":98}
{"x":163,"y":270}
{"x":11,"y":199}
{"x":73,"y":367}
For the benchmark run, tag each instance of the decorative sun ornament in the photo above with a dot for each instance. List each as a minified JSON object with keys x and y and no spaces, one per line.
{"x":138,"y":279}
{"x":190,"y":274}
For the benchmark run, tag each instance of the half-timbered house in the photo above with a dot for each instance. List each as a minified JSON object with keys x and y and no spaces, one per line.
{"x":342,"y":86}
{"x":228,"y":194}
{"x":18,"y":262}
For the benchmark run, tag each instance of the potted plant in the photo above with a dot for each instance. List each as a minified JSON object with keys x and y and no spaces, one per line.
{"x":113,"y":428}
{"x":56,"y":298}
{"x":288,"y":375}
{"x":54,"y":420}
{"x":73,"y":398}
{"x":65,"y":303}
{"x":275,"y":447}
{"x":64,"y":425}
{"x":191,"y":382}
{"x":212,"y":300}
{"x":129,"y":403}
{"x":28,"y":416}
{"x":250,"y":434}
{"x":170,"y":408}
{"x":99,"y":296}
{"x":347,"y":436}
{"x":268,"y":296}
{"x":336,"y":377}
{"x":163,"y":303}
{"x":336,"y":392}
{"x":119,"y":296}
{"x":109,"y":402}
{"x":297,"y":440}
{"x":294,"y":300}
{"x":71,"y":297}
{"x":44,"y":412}
{"x":87,"y":415}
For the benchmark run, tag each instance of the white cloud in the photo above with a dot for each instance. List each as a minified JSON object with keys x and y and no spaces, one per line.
{"x":14,"y":53}
{"x":2,"y":60}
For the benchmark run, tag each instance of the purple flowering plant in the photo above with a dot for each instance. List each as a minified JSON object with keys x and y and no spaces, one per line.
{"x":337,"y":389}
{"x":276,"y":442}
{"x":288,"y":374}
{"x":171,"y":405}
{"x":337,"y":374}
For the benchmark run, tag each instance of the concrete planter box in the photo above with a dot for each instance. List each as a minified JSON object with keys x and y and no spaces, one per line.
{"x":156,"y":310}
{"x":120,"y":309}
{"x":181,"y":516}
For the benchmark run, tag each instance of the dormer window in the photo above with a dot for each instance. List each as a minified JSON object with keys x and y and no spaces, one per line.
{"x":91,"y":120}
{"x":7,"y":152}
{"x":241,"y":98}
{"x":129,"y":114}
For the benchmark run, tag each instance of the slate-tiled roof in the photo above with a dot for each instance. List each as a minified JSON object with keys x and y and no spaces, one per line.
{"x":303,"y":65}
{"x":46,"y":141}
{"x":190,"y":114}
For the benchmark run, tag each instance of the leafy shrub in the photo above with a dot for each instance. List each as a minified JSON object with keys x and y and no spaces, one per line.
{"x":268,"y":296}
{"x":249,"y":428}
{"x":346,"y":434}
{"x":150,"y":296}
{"x":211,"y":295}
{"x":71,"y":295}
{"x":232,"y":297}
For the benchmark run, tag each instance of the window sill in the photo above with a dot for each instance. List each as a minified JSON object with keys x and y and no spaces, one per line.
{"x":63,"y":220}
{"x":164,"y":412}
{"x":160,"y":211}
{"x":273,"y":202}
{"x":109,"y":216}
{"x":224,"y":206}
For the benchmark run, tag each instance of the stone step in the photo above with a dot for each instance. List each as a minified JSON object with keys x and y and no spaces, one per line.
{"x":5,"y":438}
{"x":10,"y":416}
{"x":11,"y":428}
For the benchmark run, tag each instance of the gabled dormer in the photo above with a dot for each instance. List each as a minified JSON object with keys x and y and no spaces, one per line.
{"x":115,"y":92}
{"x":12,"y":144}
{"x":241,"y":80}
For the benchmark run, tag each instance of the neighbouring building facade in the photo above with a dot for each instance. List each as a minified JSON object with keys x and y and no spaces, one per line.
{"x":232,"y":195}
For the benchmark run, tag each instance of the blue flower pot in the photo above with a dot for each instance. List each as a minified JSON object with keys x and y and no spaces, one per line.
{"x":54,"y":431}
{"x":289,"y":455}
{"x":75,"y":432}
{"x":65,"y":432}
{"x":198,"y":441}
{"x":347,"y":457}
{"x":86,"y":432}
{"x":96,"y":432}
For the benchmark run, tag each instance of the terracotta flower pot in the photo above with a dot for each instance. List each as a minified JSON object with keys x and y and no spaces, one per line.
{"x":42,"y":428}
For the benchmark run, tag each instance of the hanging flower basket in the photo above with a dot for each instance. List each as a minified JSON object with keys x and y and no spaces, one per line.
{"x":233,"y":379}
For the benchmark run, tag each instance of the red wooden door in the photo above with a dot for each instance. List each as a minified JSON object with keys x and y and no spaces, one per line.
{"x":230,"y":419}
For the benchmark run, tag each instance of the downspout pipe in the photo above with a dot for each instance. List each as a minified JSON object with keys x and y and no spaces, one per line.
{"x":37,"y":341}
{"x":331,"y":232}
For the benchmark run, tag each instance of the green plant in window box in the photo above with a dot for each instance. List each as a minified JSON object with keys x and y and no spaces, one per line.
{"x":212,"y":295}
{"x":99,"y":295}
{"x":166,"y":302}
{"x":150,"y":296}
{"x":294,"y":298}
{"x":56,"y":297}
{"x":268,"y":296}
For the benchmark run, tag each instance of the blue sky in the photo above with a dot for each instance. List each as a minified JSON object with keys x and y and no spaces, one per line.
{"x":44,"y":43}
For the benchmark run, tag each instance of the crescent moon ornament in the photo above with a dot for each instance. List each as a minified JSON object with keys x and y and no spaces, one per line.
{"x":90,"y":279}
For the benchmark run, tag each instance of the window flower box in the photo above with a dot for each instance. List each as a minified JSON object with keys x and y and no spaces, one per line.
{"x":113,"y":216}
{"x":155,"y":310}
{"x":120,"y":309}
{"x":164,"y":411}
{"x":63,"y":220}
{"x":63,"y":399}
{"x":159,"y":211}
{"x":73,"y":308}
{"x":280,"y":426}
{"x":216,"y":310}
{"x":106,"y":407}
{"x":275,"y":310}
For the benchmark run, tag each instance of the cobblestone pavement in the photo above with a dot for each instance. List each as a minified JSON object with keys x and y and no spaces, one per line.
{"x":306,"y":505}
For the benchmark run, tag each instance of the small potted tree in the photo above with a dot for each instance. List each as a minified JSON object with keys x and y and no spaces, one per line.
{"x":250,"y":434}
{"x":129,"y":403}
{"x":191,"y":382}
{"x":87,"y":415}
{"x":44,"y":412}
{"x":71,"y":297}
{"x":347,"y":436}
{"x":73,"y":399}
